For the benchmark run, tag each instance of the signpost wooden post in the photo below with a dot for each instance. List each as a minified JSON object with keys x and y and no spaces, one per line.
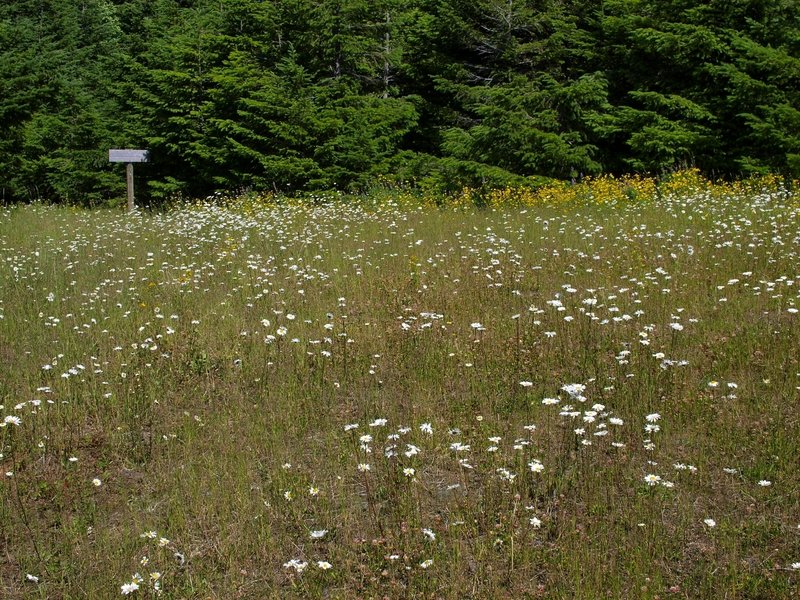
{"x":129,"y":157}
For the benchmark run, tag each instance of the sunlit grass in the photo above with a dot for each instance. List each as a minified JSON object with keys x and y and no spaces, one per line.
{"x":589,"y":394}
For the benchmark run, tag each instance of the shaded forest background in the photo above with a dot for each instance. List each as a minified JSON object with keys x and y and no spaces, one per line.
{"x":293,"y":95}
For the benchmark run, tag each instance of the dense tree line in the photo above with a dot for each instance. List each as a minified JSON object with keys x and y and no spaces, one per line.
{"x":316,"y":94}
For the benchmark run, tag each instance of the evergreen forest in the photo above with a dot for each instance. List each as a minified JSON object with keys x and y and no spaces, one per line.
{"x":303,"y":95}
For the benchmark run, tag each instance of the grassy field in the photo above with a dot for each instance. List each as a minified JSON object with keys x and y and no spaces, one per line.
{"x":587,"y":394}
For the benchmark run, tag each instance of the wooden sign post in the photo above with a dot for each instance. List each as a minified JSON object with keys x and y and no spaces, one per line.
{"x":129,"y":157}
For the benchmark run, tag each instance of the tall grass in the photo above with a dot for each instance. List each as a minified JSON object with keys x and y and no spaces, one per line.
{"x":580,"y":396}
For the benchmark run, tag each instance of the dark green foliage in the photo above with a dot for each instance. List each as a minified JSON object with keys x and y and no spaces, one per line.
{"x":702,"y":83}
{"x":59,"y":68}
{"x":312,"y":94}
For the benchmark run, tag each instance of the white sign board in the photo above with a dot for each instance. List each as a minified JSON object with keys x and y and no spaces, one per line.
{"x":128,"y":156}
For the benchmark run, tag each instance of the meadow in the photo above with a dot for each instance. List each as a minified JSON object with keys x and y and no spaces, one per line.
{"x":590,"y":391}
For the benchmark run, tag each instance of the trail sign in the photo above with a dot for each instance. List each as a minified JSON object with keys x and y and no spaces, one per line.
{"x":129,"y":157}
